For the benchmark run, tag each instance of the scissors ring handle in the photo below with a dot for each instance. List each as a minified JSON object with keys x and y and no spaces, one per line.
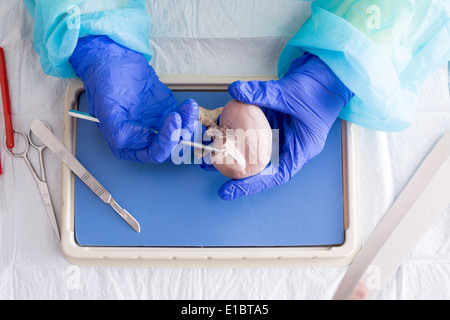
{"x":30,"y":140}
{"x":27,"y":146}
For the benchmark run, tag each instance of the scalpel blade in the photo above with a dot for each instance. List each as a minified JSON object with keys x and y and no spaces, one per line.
{"x":49,"y":139}
{"x":89,"y":117}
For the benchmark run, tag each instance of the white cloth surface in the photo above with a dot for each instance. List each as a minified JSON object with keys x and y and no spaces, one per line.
{"x":33,"y":267}
{"x":233,"y":37}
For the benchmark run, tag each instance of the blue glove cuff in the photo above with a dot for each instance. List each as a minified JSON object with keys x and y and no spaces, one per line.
{"x":93,"y":51}
{"x":318,"y":70}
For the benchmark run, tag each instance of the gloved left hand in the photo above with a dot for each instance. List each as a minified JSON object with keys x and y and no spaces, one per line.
{"x":125,"y":94}
{"x":302,"y":106}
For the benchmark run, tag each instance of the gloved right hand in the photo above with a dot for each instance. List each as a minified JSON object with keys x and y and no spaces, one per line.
{"x":125,"y":94}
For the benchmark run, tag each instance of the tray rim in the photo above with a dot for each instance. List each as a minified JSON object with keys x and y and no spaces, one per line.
{"x":210,"y":257}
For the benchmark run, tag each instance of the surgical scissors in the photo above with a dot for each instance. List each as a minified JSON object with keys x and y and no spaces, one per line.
{"x":42,"y":180}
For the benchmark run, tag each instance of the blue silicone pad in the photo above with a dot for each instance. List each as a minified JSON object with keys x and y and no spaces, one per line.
{"x":178,"y":206}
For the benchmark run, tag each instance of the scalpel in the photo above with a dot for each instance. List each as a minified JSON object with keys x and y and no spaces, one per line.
{"x":50,"y":140}
{"x":89,"y":117}
{"x":232,"y":151}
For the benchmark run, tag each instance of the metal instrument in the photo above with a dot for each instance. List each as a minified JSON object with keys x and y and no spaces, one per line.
{"x":51,"y":141}
{"x":89,"y":117}
{"x":40,"y":180}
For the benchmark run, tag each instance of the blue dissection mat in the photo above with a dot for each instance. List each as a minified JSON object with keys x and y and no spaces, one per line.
{"x":178,"y":206}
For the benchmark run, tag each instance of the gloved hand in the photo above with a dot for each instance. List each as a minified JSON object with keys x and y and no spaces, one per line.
{"x":125,"y":94}
{"x":303,"y":106}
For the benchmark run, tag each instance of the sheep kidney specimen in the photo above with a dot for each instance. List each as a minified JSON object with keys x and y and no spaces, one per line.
{"x":243,"y":130}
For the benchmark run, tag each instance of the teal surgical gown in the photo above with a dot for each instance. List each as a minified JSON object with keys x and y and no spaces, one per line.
{"x":383,"y":50}
{"x":59,"y":23}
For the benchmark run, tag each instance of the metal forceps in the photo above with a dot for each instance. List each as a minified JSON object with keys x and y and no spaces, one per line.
{"x":41,"y":181}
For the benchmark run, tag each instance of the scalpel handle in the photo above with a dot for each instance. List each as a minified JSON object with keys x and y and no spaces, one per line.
{"x":49,"y":139}
{"x":44,"y":134}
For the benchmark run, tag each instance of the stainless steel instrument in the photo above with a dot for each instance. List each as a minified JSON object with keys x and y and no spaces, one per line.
{"x":44,"y":134}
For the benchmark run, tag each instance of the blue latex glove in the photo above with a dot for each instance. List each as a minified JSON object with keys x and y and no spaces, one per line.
{"x":303,"y":106}
{"x":125,"y":94}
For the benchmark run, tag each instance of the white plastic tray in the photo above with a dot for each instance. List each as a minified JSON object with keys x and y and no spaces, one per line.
{"x":210,"y":257}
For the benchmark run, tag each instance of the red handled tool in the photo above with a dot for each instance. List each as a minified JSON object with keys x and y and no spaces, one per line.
{"x":6,"y":102}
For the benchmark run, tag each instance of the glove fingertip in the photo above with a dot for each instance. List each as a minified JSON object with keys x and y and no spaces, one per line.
{"x":190,"y":106}
{"x":229,"y":192}
{"x":170,"y":129}
{"x":236,"y":91}
{"x":267,"y":179}
{"x":167,"y":139}
{"x":189,"y":111}
{"x":225,"y":194}
{"x":251,"y":92}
